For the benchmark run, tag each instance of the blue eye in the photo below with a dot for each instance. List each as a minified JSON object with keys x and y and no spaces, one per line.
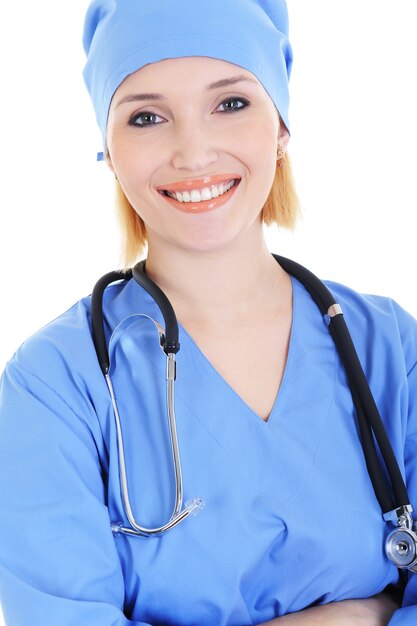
{"x":144,"y":119}
{"x":234,"y":104}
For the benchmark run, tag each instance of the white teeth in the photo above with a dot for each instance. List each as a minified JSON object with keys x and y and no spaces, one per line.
{"x":206,"y":194}
{"x":197,"y":195}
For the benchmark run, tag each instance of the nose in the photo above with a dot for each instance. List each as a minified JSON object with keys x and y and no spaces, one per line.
{"x":193,"y":147}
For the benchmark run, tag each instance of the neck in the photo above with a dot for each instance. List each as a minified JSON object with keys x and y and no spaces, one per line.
{"x":225,"y":284}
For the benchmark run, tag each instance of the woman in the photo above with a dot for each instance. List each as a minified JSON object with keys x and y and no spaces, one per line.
{"x":192,"y":101}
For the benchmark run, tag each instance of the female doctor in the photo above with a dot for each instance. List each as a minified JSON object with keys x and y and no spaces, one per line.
{"x":192,"y":101}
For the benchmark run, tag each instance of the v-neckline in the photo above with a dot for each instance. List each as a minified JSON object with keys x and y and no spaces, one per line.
{"x":287,"y":367}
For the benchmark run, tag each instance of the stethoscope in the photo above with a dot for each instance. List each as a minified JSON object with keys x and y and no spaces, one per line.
{"x":401,"y":543}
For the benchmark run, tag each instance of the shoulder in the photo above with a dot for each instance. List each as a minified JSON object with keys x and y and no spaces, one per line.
{"x":378,"y":321}
{"x":62,"y":354}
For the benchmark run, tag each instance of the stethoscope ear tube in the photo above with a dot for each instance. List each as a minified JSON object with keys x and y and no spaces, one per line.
{"x":170,"y":344}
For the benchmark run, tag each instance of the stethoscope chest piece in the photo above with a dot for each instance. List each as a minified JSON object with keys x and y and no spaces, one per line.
{"x":401,"y":543}
{"x":401,"y":548}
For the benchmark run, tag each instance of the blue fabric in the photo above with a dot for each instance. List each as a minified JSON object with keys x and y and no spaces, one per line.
{"x":290,"y":518}
{"x":121,"y":36}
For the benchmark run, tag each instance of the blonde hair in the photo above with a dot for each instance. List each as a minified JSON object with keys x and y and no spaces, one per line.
{"x":282,"y":207}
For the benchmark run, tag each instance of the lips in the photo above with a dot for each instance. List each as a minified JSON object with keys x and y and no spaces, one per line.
{"x":198,"y":183}
{"x":183,"y":199}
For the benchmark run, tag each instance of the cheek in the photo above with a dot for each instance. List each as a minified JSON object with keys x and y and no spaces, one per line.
{"x":133,"y":167}
{"x":259,"y":156}
{"x":258,"y":140}
{"x":128,"y":154}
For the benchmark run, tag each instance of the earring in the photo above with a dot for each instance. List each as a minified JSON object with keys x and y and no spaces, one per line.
{"x":280,"y":152}
{"x":280,"y":155}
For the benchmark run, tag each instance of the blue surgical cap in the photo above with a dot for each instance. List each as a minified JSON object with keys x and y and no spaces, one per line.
{"x":121,"y":36}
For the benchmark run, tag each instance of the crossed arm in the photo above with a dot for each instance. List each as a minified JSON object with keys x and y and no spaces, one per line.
{"x":374,"y":611}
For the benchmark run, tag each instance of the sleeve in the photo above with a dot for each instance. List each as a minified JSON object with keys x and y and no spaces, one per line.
{"x":58,"y":561}
{"x":407,"y":615}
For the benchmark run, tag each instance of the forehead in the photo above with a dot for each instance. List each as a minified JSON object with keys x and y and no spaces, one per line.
{"x":188,"y":71}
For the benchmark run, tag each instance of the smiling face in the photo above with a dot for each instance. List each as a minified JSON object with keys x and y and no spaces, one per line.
{"x":193,"y":142}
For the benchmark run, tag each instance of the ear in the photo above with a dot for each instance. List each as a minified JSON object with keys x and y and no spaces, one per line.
{"x":283,"y":136}
{"x":108,"y":159}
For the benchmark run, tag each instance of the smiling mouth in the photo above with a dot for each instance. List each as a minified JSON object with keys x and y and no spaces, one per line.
{"x":201,"y":195}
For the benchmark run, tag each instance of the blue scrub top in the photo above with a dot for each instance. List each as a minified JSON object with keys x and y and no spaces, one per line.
{"x":290,"y":517}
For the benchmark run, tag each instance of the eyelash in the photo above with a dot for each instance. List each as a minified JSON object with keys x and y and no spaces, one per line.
{"x":133,"y":120}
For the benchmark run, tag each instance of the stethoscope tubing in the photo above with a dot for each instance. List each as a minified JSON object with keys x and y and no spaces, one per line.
{"x":170,"y":342}
{"x":394,"y":502}
{"x":97,"y":320}
{"x":369,"y":419}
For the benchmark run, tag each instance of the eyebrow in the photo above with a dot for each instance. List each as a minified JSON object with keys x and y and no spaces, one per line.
{"x":224,"y":82}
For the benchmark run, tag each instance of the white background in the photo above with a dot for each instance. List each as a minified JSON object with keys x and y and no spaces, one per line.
{"x":353,"y":147}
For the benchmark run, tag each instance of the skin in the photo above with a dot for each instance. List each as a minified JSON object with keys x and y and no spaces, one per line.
{"x":195,"y":137}
{"x":364,"y":612}
{"x":215,"y":266}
